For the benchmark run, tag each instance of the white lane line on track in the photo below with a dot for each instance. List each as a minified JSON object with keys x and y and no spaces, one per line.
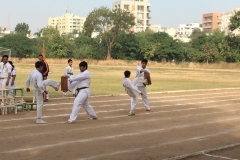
{"x":154,"y":102}
{"x":186,"y":116}
{"x":123,"y":104}
{"x":209,"y":155}
{"x":179,"y":110}
{"x":109,"y":125}
{"x":46,"y":105}
{"x":155,"y":112}
{"x":159,"y":145}
{"x":127,"y":134}
{"x":203,"y":152}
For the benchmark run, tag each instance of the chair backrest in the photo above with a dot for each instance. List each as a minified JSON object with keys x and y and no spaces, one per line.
{"x":29,"y":99}
{"x":18,"y":99}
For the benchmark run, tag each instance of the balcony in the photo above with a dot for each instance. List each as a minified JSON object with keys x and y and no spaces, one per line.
{"x":206,"y":27}
{"x":207,"y":21}
{"x":139,"y":24}
{"x":140,"y":11}
{"x":148,"y":24}
{"x":148,"y":17}
{"x":149,"y":10}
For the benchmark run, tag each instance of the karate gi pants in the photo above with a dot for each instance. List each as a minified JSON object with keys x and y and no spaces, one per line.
{"x":144,"y":96}
{"x":39,"y":95}
{"x":81,"y":100}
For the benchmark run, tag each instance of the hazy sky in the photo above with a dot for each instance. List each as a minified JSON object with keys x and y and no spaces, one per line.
{"x":167,"y":13}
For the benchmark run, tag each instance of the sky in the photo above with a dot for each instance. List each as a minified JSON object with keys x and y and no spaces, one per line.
{"x":167,"y":13}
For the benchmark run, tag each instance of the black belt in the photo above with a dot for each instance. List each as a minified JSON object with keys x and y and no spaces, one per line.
{"x":78,"y":89}
{"x":3,"y":78}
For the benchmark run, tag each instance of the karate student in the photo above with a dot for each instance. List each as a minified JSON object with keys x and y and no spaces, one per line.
{"x":67,"y":73}
{"x":38,"y":87}
{"x":140,"y":84}
{"x":5,"y":72}
{"x":131,"y":90}
{"x":82,"y":81}
{"x":45,"y":71}
{"x":12,"y":78}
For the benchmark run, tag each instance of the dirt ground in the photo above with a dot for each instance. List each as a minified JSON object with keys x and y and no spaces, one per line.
{"x":191,"y":125}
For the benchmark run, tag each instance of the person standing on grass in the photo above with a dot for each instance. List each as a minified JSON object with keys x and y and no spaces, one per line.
{"x":67,"y":73}
{"x":140,"y":85}
{"x":82,"y":81}
{"x":38,"y":87}
{"x":131,"y":90}
{"x":5,"y":72}
{"x":12,"y":78}
{"x":45,"y":70}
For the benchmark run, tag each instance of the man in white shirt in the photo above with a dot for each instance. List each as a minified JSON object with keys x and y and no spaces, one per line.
{"x":12,"y":83}
{"x":139,"y":83}
{"x":67,"y":73}
{"x":38,"y":87}
{"x":132,"y":91}
{"x":5,"y":72}
{"x":82,"y":81}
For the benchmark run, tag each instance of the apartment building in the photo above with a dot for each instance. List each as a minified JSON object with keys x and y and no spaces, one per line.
{"x":67,"y":23}
{"x":157,"y":28}
{"x":211,"y":21}
{"x":140,"y":9}
{"x":225,"y":20}
{"x":185,"y":30}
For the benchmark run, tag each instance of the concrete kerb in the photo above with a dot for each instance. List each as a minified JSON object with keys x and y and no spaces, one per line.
{"x":179,"y":91}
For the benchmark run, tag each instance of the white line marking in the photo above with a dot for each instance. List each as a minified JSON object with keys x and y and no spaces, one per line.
{"x":203,"y":152}
{"x":123,"y":135}
{"x":123,"y":104}
{"x":186,"y":116}
{"x":159,"y":145}
{"x":162,"y":97}
{"x":209,"y":155}
{"x":112,"y":125}
{"x":63,"y":115}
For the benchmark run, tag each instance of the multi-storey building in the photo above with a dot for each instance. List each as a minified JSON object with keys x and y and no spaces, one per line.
{"x":67,"y":23}
{"x":185,"y":30}
{"x":157,"y":28}
{"x":140,"y":9}
{"x":211,"y":21}
{"x":225,"y":20}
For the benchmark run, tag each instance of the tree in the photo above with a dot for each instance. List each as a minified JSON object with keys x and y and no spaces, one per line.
{"x":39,"y":32}
{"x":235,"y":21}
{"x":196,"y":32}
{"x":22,"y":28}
{"x":209,"y":52}
{"x":50,"y":32}
{"x":20,"y":45}
{"x":56,"y":47}
{"x":126,"y":47}
{"x":109,"y":24}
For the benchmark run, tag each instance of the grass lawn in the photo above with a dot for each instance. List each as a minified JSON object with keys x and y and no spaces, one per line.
{"x":107,"y":80}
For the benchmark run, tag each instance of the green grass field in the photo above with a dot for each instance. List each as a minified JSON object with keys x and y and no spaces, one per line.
{"x":107,"y":80}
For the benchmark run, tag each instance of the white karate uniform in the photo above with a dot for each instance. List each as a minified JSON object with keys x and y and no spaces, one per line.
{"x":36,"y":80}
{"x":141,"y":86}
{"x":38,"y":87}
{"x":68,"y":72}
{"x":4,"y":70}
{"x":132,"y":91}
{"x":13,"y":73}
{"x":81,"y":80}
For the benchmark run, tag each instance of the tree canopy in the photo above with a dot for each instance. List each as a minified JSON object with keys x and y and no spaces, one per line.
{"x":22,"y":28}
{"x":235,"y":21}
{"x":109,"y":24}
